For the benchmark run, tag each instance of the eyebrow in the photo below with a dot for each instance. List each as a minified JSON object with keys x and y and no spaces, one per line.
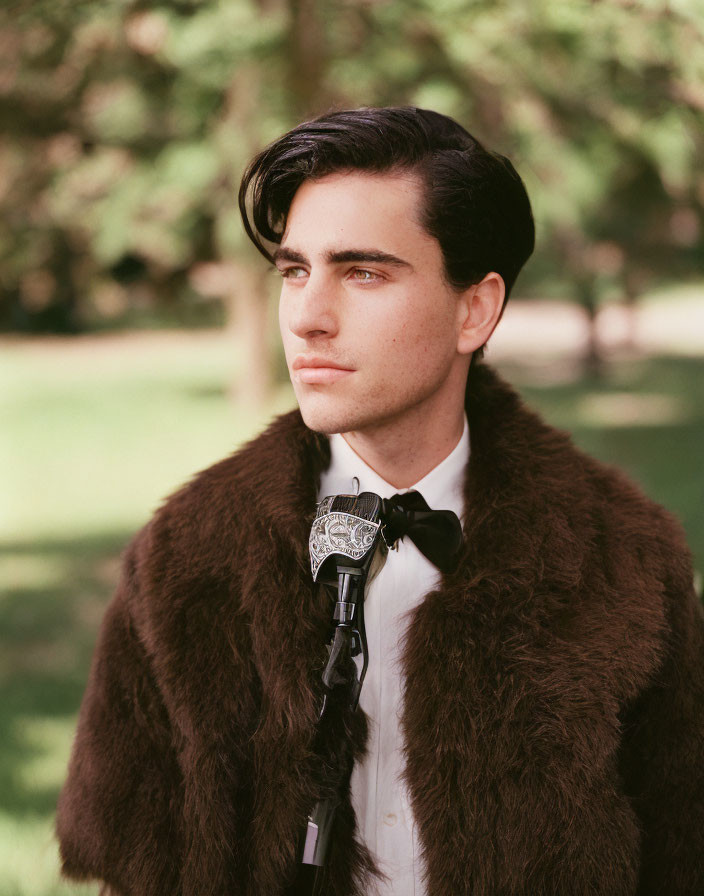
{"x":282,"y":253}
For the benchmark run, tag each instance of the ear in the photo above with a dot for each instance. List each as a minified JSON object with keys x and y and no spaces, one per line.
{"x":478,"y":312}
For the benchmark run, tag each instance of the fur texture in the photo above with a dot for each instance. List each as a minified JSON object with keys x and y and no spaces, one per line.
{"x":554,"y":705}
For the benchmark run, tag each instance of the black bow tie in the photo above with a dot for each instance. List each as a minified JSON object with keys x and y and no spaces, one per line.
{"x":436,"y":533}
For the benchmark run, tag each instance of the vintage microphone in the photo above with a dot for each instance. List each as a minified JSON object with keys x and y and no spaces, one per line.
{"x":349,"y":540}
{"x":347,"y":549}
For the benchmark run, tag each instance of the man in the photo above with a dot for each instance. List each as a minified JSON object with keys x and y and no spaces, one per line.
{"x":531,"y":721}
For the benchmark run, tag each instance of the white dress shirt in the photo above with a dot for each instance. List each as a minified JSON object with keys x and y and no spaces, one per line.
{"x":384,"y":817}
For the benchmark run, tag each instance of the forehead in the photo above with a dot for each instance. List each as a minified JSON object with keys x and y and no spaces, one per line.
{"x":346,"y":207}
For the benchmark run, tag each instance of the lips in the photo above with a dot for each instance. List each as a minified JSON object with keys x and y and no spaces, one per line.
{"x":314,"y":370}
{"x":313,"y":361}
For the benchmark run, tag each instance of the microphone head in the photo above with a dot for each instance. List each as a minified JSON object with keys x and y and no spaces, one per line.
{"x":346,"y":530}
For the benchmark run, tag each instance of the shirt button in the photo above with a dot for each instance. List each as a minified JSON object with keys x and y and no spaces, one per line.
{"x":390,"y":819}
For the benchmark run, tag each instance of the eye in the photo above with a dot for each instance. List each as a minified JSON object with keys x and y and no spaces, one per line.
{"x":292,"y":273}
{"x":361,"y":275}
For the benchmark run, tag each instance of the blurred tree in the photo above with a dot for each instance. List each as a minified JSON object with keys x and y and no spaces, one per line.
{"x":126,"y":126}
{"x":599,"y":103}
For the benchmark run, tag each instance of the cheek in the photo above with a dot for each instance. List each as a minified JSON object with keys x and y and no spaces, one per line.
{"x":283,"y":325}
{"x":415,"y":336}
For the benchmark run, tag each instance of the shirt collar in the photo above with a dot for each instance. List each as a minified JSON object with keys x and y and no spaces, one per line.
{"x":442,"y":487}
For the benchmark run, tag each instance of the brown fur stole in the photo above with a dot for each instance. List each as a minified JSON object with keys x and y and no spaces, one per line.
{"x":554,"y":703}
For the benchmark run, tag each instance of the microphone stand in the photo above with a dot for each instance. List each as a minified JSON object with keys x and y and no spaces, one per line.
{"x":346,"y":548}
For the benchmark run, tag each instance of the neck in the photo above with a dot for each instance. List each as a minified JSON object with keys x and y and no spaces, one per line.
{"x":405,"y":450}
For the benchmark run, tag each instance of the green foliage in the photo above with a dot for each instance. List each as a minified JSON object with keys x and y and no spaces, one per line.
{"x":127,"y":125}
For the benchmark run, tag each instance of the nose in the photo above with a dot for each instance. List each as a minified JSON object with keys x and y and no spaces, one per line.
{"x":311,"y":307}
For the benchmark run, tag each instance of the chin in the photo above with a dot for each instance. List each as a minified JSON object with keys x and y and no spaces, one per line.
{"x":325,"y":422}
{"x":329,"y":416}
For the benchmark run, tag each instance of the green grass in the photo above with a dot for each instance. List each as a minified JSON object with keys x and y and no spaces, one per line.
{"x":92,"y":440}
{"x":94,"y":435}
{"x":647,"y":417}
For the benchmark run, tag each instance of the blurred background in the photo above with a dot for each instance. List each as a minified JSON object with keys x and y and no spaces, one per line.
{"x":138,"y":338}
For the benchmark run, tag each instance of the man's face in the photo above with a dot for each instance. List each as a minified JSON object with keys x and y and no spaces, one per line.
{"x":363,"y":290}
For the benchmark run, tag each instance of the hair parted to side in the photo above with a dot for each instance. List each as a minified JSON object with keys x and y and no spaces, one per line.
{"x":475,"y":203}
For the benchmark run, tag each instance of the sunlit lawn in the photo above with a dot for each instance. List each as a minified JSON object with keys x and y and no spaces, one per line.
{"x":91,"y":440}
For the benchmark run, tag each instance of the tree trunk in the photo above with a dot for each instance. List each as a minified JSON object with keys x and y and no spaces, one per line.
{"x":593,"y":361}
{"x":307,"y":61}
{"x":248,"y":325}
{"x":632,"y":284}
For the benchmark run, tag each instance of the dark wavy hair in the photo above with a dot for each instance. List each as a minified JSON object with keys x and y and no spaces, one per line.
{"x":475,"y":204}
